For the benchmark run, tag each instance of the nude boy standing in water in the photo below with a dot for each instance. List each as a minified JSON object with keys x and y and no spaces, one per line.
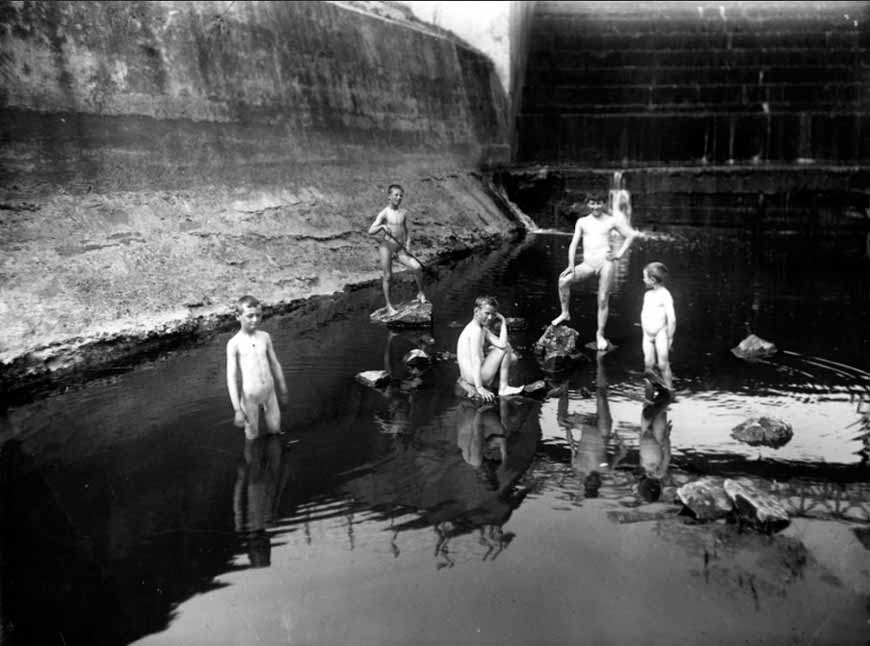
{"x":659,"y":322}
{"x":477,"y":369}
{"x":594,"y":231}
{"x":250,"y":355}
{"x":393,"y":222}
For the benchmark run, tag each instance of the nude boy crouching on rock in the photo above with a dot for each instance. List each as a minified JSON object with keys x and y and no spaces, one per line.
{"x":482,"y":355}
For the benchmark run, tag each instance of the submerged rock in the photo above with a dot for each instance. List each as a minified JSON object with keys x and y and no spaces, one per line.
{"x":761,"y":509}
{"x":753,"y":347}
{"x":763,"y":431}
{"x":373,"y":378}
{"x":557,"y":347}
{"x":706,"y":498}
{"x":408,"y":314}
{"x":417,"y":359}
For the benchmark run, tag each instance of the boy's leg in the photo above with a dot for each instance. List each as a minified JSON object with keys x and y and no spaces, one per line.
{"x":251,"y":409}
{"x":491,"y":365}
{"x":662,"y":354}
{"x":566,"y":279}
{"x":387,"y":271}
{"x":605,"y":281}
{"x":649,"y":353}
{"x":273,"y":414}
{"x":417,"y":269}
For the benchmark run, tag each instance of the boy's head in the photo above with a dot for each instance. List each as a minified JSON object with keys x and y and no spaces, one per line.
{"x":655,"y":273}
{"x":485,"y":308}
{"x":395,"y":193}
{"x":248,"y":312}
{"x":595,"y":202}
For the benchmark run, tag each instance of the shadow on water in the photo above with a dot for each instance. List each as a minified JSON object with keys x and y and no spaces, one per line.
{"x":126,"y":498}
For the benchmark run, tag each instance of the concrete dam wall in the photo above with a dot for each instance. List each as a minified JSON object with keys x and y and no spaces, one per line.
{"x":159,"y":159}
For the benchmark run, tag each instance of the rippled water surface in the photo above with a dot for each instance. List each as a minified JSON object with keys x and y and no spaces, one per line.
{"x":134,"y":510}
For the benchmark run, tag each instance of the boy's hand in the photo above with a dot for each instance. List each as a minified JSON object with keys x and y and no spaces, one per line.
{"x":240,"y":420}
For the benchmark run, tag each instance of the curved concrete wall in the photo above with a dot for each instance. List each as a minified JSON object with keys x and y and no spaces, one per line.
{"x":159,"y":159}
{"x":216,"y":82}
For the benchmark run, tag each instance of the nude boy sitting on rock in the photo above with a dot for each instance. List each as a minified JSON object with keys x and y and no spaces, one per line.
{"x":594,"y":232}
{"x":482,"y":355}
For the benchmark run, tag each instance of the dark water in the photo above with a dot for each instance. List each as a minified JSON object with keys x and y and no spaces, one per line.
{"x":134,"y":510}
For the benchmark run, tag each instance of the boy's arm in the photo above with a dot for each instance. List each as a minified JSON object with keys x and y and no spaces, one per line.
{"x":572,"y":248}
{"x":277,"y":371}
{"x":233,"y":375}
{"x":377,"y":224}
{"x":671,"y":318}
{"x":501,"y":340}
{"x":476,"y":356}
{"x":628,"y":234}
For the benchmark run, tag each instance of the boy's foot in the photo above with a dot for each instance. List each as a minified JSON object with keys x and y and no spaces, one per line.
{"x":422,"y":298}
{"x":389,"y":310}
{"x":601,"y":343}
{"x":562,"y":318}
{"x":507,"y":391}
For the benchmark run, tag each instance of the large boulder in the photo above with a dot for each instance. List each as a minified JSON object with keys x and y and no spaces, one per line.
{"x":753,"y":348}
{"x":763,"y":431}
{"x":557,"y":347}
{"x":706,"y":498}
{"x":758,"y":508}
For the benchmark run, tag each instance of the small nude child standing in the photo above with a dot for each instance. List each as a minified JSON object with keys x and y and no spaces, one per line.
{"x":659,"y":322}
{"x":252,"y":372}
{"x":393,"y":222}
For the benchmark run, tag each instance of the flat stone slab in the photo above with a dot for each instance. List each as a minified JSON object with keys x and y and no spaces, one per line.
{"x":592,"y":345}
{"x":408,"y":314}
{"x":373,"y":378}
{"x":763,"y":431}
{"x":417,"y":359}
{"x":753,"y":348}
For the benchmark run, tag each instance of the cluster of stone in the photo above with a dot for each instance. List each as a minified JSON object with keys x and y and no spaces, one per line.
{"x":710,"y":498}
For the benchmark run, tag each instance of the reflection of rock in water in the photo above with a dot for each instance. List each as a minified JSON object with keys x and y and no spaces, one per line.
{"x":748,"y":564}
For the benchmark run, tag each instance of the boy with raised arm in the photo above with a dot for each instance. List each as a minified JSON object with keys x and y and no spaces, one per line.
{"x":392,"y":221}
{"x":478,"y":369}
{"x":252,"y":372}
{"x":594,"y":232}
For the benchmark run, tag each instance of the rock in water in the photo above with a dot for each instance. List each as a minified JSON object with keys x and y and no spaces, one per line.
{"x":753,"y":347}
{"x":417,"y":359}
{"x":374,"y":378}
{"x":706,"y":498}
{"x":763,"y":431}
{"x":408,"y":314}
{"x":761,"y":509}
{"x":557,"y":347}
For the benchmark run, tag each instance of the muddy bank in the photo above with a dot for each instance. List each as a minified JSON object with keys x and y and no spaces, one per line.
{"x":92,"y":281}
{"x":160,"y":160}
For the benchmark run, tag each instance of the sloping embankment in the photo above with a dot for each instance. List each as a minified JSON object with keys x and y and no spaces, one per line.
{"x":161,"y":159}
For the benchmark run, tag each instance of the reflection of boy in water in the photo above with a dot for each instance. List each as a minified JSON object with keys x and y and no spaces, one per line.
{"x":589,"y":453}
{"x":480,"y":433}
{"x":654,"y":446}
{"x":257,"y":493}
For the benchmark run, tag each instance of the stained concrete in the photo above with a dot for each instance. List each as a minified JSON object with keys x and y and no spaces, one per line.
{"x":158,"y":160}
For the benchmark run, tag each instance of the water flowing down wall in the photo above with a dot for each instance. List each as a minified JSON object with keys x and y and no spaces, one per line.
{"x":161,"y":158}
